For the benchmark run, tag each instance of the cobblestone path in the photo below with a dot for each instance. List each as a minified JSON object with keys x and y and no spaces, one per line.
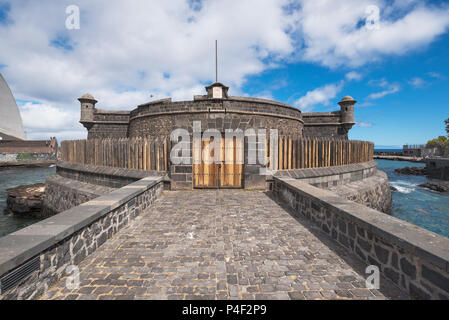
{"x":227,"y":244}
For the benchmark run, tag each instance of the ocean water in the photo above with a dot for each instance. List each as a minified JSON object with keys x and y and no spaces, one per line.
{"x":388,"y":150}
{"x":411,"y":203}
{"x":13,"y":177}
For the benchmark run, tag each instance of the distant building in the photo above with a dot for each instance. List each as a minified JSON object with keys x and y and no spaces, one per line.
{"x":11,"y":127}
{"x":419,"y":151}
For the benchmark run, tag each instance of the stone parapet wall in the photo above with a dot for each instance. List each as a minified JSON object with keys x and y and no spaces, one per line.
{"x":233,"y":113}
{"x":332,"y":176}
{"x":48,"y":247}
{"x":415,"y":259}
{"x":62,"y":194}
{"x":323,"y":124}
{"x":359,"y":182}
{"x":373,"y":192}
{"x":321,"y":117}
{"x":242,"y":104}
{"x":333,"y":131}
{"x":107,"y":130}
{"x":103,"y":176}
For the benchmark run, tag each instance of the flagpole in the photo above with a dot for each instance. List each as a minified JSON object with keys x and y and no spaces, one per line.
{"x":216,"y":60}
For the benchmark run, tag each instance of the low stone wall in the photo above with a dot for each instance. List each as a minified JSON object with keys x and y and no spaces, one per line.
{"x":75,"y":184}
{"x":34,"y":258}
{"x":373,"y":192}
{"x":102,"y":176}
{"x":416,"y":259}
{"x":359,"y":182}
{"x":331,"y":176}
{"x":62,"y":194}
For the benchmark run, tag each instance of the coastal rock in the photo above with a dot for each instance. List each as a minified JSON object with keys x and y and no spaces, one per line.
{"x":414,"y":171}
{"x":393,"y":188}
{"x":26,"y":200}
{"x":438,"y":186}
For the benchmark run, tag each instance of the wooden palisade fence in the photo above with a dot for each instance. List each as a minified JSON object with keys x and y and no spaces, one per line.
{"x":301,"y":153}
{"x":149,"y":153}
{"x":153,"y":153}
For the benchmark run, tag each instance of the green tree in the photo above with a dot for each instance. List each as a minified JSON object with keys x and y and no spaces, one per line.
{"x":441,"y":143}
{"x":446,"y":122}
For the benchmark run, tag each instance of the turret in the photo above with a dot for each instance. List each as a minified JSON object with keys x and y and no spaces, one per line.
{"x":217,"y":90}
{"x":87,"y":110}
{"x":347,"y":112}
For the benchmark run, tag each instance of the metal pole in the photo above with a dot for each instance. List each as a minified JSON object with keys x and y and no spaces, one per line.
{"x":216,"y":60}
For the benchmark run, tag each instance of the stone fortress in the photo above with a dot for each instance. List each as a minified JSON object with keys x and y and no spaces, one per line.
{"x":215,"y":110}
{"x":322,"y":203}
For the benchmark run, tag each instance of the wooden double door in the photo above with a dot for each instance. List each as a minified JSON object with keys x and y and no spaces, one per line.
{"x":218,"y":165}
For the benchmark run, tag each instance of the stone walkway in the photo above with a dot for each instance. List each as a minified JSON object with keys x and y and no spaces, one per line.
{"x":227,"y":244}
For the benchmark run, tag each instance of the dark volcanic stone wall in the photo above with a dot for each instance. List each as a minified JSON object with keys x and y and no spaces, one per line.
{"x":109,"y":124}
{"x":114,"y":131}
{"x":163,"y":118}
{"x":62,"y":194}
{"x":412,"y":257}
{"x":323,"y":124}
{"x":85,"y":228}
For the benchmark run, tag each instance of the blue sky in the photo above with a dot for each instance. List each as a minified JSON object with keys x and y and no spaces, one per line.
{"x":308,"y":54}
{"x":414,"y":114}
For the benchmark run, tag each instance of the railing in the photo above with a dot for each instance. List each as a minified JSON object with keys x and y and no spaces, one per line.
{"x":153,"y":153}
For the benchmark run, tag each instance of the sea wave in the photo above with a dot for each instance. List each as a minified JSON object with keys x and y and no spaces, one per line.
{"x":404,"y":186}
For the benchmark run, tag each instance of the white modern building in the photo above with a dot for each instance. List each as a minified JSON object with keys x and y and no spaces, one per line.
{"x":11,"y":127}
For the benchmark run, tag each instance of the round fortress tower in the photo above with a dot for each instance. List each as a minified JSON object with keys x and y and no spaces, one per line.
{"x":87,"y":109}
{"x":347,"y":111}
{"x":215,"y":110}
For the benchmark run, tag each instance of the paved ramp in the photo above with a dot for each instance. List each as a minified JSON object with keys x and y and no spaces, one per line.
{"x":227,"y":244}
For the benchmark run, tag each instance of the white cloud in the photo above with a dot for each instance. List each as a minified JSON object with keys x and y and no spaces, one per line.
{"x":42,"y":121}
{"x":334,"y":33}
{"x":393,"y":89}
{"x":364,"y":104}
{"x":389,"y":88}
{"x":321,"y":95}
{"x":436,"y":75}
{"x":353,"y":75}
{"x":364,"y":124}
{"x":417,"y":82}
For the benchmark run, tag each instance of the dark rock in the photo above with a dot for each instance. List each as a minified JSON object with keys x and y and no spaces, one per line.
{"x":26,"y":200}
{"x":414,"y":171}
{"x":438,"y":186}
{"x":393,"y":188}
